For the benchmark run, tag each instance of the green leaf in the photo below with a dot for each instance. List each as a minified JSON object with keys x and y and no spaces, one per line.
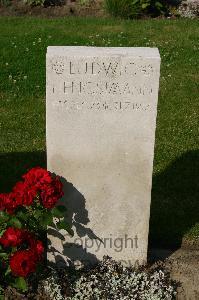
{"x":63,"y":225}
{"x":8,"y":271}
{"x":37,"y":214}
{"x":21,"y":284}
{"x":58,"y":211}
{"x":33,"y":223}
{"x":2,"y":232}
{"x":4,"y":217}
{"x":158,"y":4}
{"x":145,"y":5}
{"x":15,"y":222}
{"x":2,"y":255}
{"x":23,"y":215}
{"x":46,"y":219}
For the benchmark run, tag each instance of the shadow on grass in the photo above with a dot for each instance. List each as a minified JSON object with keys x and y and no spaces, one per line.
{"x":175,"y":201}
{"x":14,"y":165}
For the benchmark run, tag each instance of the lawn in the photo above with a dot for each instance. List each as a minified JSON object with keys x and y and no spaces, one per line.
{"x":175,"y":194}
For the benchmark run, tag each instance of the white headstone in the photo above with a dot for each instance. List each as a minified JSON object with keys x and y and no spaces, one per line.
{"x":101,"y":121}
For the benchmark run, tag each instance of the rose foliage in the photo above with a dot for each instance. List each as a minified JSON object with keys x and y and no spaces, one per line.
{"x":25,"y":213}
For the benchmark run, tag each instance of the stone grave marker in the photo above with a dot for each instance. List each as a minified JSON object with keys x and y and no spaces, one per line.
{"x":101,"y":121}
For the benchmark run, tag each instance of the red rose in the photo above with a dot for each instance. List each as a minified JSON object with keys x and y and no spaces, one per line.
{"x":22,"y":263}
{"x":2,"y":201}
{"x":12,"y":237}
{"x":8,"y":202}
{"x":28,"y":236}
{"x":48,"y":201}
{"x":58,"y":187}
{"x":23,"y":194}
{"x":37,"y":177}
{"x":37,"y":247}
{"x":52,"y":193}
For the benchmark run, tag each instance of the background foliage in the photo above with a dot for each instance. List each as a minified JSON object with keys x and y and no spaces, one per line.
{"x":137,"y":8}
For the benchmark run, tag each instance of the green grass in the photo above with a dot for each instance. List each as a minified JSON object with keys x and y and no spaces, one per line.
{"x":175,"y":195}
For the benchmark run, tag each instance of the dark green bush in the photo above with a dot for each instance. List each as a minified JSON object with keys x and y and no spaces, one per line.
{"x":5,"y":2}
{"x":122,"y":8}
{"x":137,"y":8}
{"x":53,"y":3}
{"x":44,"y":3}
{"x":34,"y":2}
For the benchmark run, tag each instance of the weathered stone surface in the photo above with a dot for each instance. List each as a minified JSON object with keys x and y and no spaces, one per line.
{"x":101,"y":120}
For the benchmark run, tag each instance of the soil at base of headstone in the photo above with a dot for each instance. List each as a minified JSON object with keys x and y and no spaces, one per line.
{"x":183,"y":266}
{"x":19,"y":8}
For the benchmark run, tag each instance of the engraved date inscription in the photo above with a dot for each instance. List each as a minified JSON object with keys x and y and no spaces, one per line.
{"x":103,"y":105}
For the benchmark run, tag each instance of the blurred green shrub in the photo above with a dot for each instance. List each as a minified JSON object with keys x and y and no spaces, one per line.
{"x":34,"y":2}
{"x":5,"y":2}
{"x":121,"y":8}
{"x":137,"y":8}
{"x":44,"y":3}
{"x":84,"y":2}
